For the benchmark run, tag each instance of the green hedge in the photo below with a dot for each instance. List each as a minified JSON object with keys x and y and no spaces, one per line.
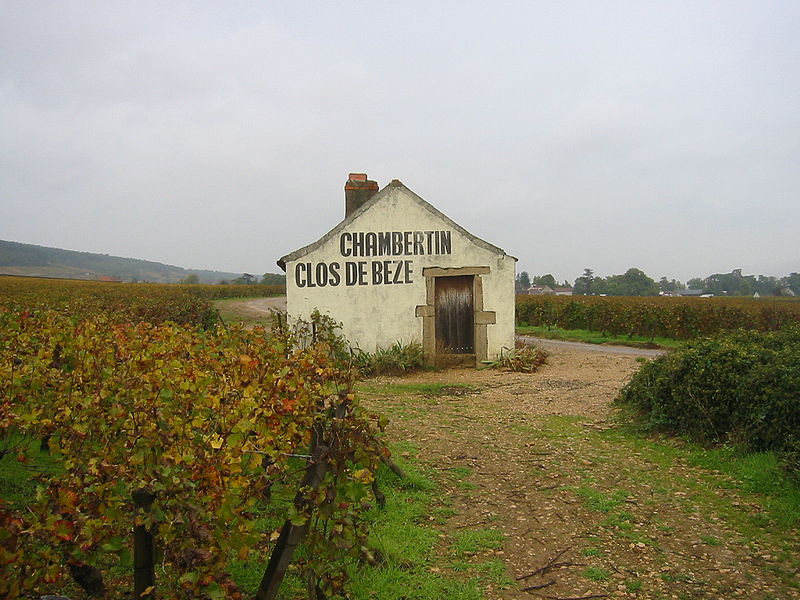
{"x":741,"y":388}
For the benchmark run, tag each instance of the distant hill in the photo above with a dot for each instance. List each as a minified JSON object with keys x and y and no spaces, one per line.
{"x":40,"y":261}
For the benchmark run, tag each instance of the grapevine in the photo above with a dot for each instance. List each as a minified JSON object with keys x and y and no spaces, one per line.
{"x":181,"y":433}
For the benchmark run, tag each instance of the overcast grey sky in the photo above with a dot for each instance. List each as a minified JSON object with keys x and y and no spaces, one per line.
{"x":661,"y":135}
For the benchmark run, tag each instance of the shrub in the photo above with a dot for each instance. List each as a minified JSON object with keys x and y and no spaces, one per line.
{"x":525,"y":358}
{"x":399,"y":358}
{"x":742,"y":388}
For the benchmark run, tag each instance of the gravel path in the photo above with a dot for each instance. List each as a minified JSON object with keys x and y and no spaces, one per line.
{"x":603,"y":349}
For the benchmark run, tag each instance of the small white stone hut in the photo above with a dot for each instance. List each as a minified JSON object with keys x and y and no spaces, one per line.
{"x":396,"y":269}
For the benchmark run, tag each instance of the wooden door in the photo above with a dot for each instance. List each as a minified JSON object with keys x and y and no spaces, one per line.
{"x":455,"y":315}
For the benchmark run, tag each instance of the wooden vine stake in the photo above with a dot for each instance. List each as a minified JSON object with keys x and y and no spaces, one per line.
{"x":291,"y":534}
{"x":144,"y":572}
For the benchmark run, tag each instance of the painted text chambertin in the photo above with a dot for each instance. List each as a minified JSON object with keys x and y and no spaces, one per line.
{"x":395,"y":243}
{"x":398,"y":270}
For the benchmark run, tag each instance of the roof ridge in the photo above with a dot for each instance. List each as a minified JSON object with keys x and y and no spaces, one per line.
{"x":394,"y":184}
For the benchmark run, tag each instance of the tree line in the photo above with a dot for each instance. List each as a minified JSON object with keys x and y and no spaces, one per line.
{"x":245,"y":279}
{"x":635,"y":282}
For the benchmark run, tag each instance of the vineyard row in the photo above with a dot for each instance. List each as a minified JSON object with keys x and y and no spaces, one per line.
{"x":676,"y":318}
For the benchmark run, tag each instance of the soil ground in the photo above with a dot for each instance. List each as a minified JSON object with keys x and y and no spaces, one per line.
{"x":541,"y":463}
{"x":585,"y":511}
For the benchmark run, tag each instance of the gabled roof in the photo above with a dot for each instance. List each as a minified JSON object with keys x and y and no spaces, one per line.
{"x":377,"y":198}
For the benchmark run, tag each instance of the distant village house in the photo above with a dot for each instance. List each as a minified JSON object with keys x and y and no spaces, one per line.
{"x":546,"y":290}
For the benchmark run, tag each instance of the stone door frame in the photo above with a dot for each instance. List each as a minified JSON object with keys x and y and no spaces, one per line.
{"x":427,"y":311}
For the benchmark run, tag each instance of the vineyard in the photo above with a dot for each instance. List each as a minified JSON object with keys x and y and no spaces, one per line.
{"x":157,"y":445}
{"x":676,"y":318}
{"x":130,"y":302}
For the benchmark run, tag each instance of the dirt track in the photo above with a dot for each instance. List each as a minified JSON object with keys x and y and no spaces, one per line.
{"x":603,"y":349}
{"x":264,"y":306}
{"x":250,"y":311}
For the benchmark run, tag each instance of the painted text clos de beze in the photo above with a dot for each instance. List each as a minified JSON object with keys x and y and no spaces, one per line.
{"x":373,"y":272}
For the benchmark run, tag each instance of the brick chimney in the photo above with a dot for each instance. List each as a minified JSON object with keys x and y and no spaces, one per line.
{"x":357,"y":191}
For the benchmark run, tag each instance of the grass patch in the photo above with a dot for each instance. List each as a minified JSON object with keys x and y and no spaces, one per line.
{"x":594,"y":337}
{"x":460,"y":472}
{"x":633,"y":586}
{"x":710,"y":540}
{"x":601,"y":501}
{"x":419,"y":389}
{"x":473,"y":542}
{"x":759,"y":473}
{"x":750,"y":492}
{"x":397,"y":531}
{"x":622,"y":522}
{"x":596,"y":574}
{"x":17,"y":479}
{"x":559,"y":426}
{"x":405,"y":544}
{"x":756,"y":476}
{"x":399,"y":582}
{"x":443,"y":513}
{"x":490,"y":571}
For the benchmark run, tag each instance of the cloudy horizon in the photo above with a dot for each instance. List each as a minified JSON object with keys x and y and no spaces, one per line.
{"x":602,"y":135}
